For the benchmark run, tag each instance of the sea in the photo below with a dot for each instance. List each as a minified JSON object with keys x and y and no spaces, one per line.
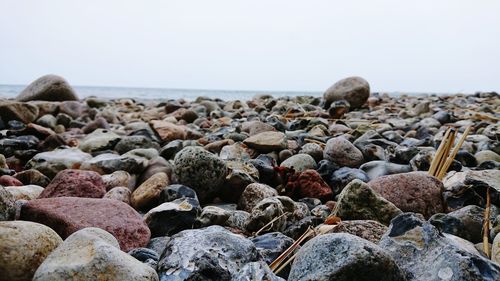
{"x":11,"y":91}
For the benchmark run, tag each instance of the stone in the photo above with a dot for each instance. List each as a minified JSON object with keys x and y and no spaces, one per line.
{"x":24,"y":112}
{"x":256,"y":127}
{"x":176,"y":191}
{"x":147,"y":194}
{"x":411,"y":192}
{"x":342,"y":177}
{"x":172,"y":217}
{"x":212,"y":215}
{"x":299,"y":162}
{"x":359,"y":202}
{"x":98,"y":140}
{"x":234,"y":151}
{"x":486,"y":155}
{"x":267,"y":141}
{"x":92,"y":254}
{"x":367,"y":229}
{"x":23,"y":247}
{"x":97,"y":123}
{"x":120,"y":193}
{"x":117,"y":178}
{"x":308,"y":184}
{"x":47,"y":121}
{"x":52,"y":162}
{"x":264,"y":212}
{"x":75,"y":183}
{"x":7,"y":205}
{"x":31,"y":176}
{"x":297,"y":228}
{"x":169,"y":131}
{"x":133,"y":142}
{"x":354,"y":90}
{"x":253,"y":194}
{"x":240,"y":175}
{"x":375,"y":169}
{"x":425,"y":254}
{"x":25,"y":192}
{"x":200,"y":170}
{"x":6,"y":180}
{"x":472,"y":218}
{"x":495,"y":249}
{"x":146,"y":256}
{"x":256,"y":271}
{"x":48,"y":88}
{"x":67,"y":215}
{"x":211,"y":253}
{"x":342,"y":256}
{"x":342,"y":152}
{"x":271,"y":245}
{"x":108,"y":163}
{"x":449,"y":224}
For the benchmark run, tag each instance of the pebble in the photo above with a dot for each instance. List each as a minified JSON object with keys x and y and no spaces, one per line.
{"x":75,"y":183}
{"x":342,"y":152}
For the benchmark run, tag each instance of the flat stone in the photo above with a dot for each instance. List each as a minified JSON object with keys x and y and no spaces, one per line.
{"x":148,"y":193}
{"x":267,"y":141}
{"x":75,"y":183}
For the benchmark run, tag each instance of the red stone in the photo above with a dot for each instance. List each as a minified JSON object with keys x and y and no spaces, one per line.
{"x":9,"y":181}
{"x":75,"y":183}
{"x":66,"y":215}
{"x":308,"y":184}
{"x":416,"y":192}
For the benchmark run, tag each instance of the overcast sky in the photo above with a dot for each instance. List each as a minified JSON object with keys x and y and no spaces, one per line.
{"x":413,"y":46}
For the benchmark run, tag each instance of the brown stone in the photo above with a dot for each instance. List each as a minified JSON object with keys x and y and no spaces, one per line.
{"x":21,"y":111}
{"x":75,"y":183}
{"x":66,"y":215}
{"x":411,"y":192}
{"x":308,"y":184}
{"x":366,"y":229}
{"x":169,"y":131}
{"x":253,"y":194}
{"x":6,"y":180}
{"x":147,"y":194}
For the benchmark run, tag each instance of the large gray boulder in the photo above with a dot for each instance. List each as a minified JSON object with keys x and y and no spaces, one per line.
{"x":355,"y":90}
{"x":343,"y":257}
{"x":427,"y":255}
{"x":48,"y":88}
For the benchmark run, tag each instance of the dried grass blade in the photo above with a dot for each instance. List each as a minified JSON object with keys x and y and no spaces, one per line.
{"x":439,"y":153}
{"x":454,"y":153}
{"x":486,"y":224}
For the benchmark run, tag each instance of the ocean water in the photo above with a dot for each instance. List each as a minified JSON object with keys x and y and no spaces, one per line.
{"x":11,"y":91}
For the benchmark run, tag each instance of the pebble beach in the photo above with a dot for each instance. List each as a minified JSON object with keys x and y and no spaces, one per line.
{"x":350,"y":185}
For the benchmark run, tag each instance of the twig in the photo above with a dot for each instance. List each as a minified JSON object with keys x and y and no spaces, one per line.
{"x":486,"y":224}
{"x":439,"y":154}
{"x":270,"y":223}
{"x":454,"y":153}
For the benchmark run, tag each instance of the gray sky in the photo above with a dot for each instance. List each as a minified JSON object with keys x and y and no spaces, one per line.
{"x":413,"y":46}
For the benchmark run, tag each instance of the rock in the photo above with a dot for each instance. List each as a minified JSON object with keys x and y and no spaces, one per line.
{"x":169,"y":131}
{"x":24,"y":112}
{"x":267,"y":141}
{"x":211,"y":253}
{"x":253,"y":194}
{"x":92,"y":254}
{"x":240,"y":175}
{"x":465,"y":188}
{"x":295,"y":229}
{"x":120,"y":193}
{"x":146,"y":256}
{"x":265,"y":211}
{"x":212,"y":215}
{"x":47,"y":121}
{"x":359,"y":202}
{"x":172,"y":217}
{"x":117,"y":178}
{"x":449,"y":224}
{"x":7,"y":206}
{"x":48,"y":88}
{"x":375,"y":169}
{"x":98,"y":140}
{"x":271,"y":245}
{"x":31,"y":176}
{"x":234,"y":151}
{"x":23,"y":247}
{"x":256,"y":127}
{"x":299,"y":162}
{"x":411,"y":192}
{"x":67,"y":215}
{"x":6,"y":180}
{"x":52,"y":162}
{"x":256,"y":271}
{"x":176,"y":191}
{"x":342,"y":177}
{"x":495,"y":250}
{"x":486,"y":155}
{"x":342,"y":152}
{"x":354,"y":90}
{"x":147,"y":194}
{"x":98,"y":123}
{"x":367,"y":229}
{"x":26,"y":192}
{"x":308,"y":184}
{"x":133,"y":142}
{"x":424,"y":254}
{"x":75,"y":183}
{"x":472,"y":218}
{"x":72,"y":108}
{"x":200,"y":170}
{"x":342,"y":256}
{"x":108,"y":163}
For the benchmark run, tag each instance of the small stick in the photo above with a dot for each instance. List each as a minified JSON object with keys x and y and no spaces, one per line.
{"x":290,"y":249}
{"x":270,"y":223}
{"x":454,"y":153}
{"x":449,"y":145}
{"x":486,"y":224}
{"x":439,"y":152}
